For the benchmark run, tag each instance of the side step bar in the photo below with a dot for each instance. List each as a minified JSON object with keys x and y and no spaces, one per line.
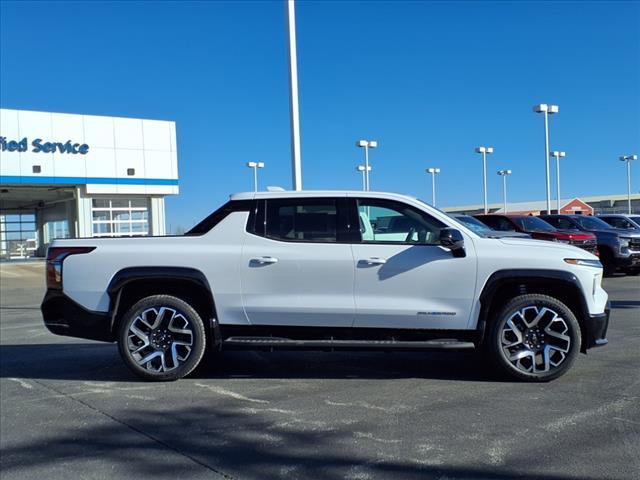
{"x":287,"y":343}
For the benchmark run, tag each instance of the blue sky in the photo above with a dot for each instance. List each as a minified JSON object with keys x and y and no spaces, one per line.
{"x":429,"y":80}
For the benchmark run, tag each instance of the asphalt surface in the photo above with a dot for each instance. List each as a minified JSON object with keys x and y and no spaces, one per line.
{"x":70,"y":409}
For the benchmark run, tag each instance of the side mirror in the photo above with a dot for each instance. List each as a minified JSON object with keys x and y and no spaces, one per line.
{"x":453,"y":240}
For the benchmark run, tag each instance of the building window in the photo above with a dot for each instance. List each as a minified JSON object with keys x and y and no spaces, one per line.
{"x":120,"y":217}
{"x":18,"y":236}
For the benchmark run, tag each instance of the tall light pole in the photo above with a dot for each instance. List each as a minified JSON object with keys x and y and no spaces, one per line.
{"x":362,"y":169}
{"x":484,"y":151}
{"x":504,"y":174}
{"x":547,"y":110}
{"x":255,"y":166}
{"x":558,"y":155}
{"x":628,"y":159}
{"x":433,"y":172}
{"x":294,"y":112}
{"x":366,"y":144}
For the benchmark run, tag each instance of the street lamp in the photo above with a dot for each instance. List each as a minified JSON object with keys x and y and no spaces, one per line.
{"x":433,"y":172}
{"x":294,"y":111}
{"x":558,"y":155}
{"x":628,"y":159}
{"x":366,"y":144}
{"x":547,"y":110}
{"x":504,"y":174}
{"x":255,"y":166}
{"x":484,"y":151}
{"x":362,"y":169}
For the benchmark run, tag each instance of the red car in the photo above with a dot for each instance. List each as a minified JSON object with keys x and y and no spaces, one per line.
{"x":541,"y":230}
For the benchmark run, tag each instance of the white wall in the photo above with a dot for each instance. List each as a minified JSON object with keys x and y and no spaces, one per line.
{"x":115,"y":145}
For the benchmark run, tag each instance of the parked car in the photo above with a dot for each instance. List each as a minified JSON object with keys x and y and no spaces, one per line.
{"x":619,"y":249}
{"x":540,"y":230}
{"x":484,"y":230}
{"x":625,"y":222}
{"x":322,"y":270}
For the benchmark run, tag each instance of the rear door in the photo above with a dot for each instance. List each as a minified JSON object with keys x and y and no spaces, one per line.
{"x":404,"y":277}
{"x":297,"y":264}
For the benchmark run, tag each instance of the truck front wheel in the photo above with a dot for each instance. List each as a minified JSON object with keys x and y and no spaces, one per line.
{"x":534,"y":338}
{"x":161,"y":338}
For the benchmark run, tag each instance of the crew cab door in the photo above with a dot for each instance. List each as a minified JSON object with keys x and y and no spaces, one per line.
{"x":297,"y":267}
{"x":404,"y":278}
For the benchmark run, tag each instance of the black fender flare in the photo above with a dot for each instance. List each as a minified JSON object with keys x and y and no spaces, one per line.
{"x":169,"y":273}
{"x":528,"y":276}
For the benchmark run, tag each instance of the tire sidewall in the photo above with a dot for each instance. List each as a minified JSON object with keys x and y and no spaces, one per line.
{"x":197,"y":326}
{"x":516,"y":304}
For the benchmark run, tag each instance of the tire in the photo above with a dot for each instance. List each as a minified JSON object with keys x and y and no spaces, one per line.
{"x":167,"y":332}
{"x":534,"y":338}
{"x":632,"y":271}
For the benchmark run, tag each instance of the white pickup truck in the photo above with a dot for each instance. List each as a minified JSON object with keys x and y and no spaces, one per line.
{"x":328,"y":270}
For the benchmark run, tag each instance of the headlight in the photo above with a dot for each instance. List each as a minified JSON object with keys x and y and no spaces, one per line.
{"x":624,"y":242}
{"x":584,"y":262}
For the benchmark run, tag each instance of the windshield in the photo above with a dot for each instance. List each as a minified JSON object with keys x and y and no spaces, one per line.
{"x":533,"y":224}
{"x":592,"y":223}
{"x":635,"y":219}
{"x":474,"y":224}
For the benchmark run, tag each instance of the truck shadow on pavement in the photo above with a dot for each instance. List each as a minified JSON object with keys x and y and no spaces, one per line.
{"x":625,"y":304}
{"x":223,"y":440}
{"x":100,"y":361}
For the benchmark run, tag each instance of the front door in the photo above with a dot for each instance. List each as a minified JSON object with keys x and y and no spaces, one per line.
{"x":297,"y":267}
{"x":404,"y":278}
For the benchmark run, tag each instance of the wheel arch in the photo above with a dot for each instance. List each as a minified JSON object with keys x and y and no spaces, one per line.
{"x":506,"y":284}
{"x":189,"y":284}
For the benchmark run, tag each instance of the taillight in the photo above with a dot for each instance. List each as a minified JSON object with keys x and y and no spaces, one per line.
{"x":55,"y":257}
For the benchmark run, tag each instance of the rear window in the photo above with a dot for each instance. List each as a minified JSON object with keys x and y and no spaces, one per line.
{"x":216,"y":217}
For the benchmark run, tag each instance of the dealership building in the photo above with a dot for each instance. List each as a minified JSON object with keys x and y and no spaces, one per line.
{"x":68,"y":176}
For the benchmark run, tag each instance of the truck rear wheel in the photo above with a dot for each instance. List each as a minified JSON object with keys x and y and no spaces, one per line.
{"x":534,"y":338}
{"x":161,"y":338}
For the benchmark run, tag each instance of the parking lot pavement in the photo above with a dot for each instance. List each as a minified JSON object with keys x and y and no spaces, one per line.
{"x":70,"y":409}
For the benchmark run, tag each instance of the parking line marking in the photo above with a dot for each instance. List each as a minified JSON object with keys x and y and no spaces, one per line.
{"x":229,"y":393}
{"x":22,"y":383}
{"x":22,"y":325}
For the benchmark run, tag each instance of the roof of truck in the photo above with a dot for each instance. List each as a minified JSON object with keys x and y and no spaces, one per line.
{"x":317,"y":193}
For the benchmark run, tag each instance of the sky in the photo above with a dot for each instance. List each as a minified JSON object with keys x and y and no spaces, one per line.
{"x":430,"y":81}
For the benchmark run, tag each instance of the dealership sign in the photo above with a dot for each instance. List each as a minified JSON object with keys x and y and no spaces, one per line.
{"x":40,"y":145}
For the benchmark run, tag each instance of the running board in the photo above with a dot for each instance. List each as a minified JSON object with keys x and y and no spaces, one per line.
{"x":287,"y":343}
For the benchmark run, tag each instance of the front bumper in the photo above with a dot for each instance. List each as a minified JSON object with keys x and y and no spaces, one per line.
{"x":595,"y":334}
{"x":63,"y":316}
{"x":632,"y":260}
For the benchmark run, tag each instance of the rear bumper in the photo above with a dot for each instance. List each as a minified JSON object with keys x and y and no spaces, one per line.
{"x":596,"y":329}
{"x":63,"y":316}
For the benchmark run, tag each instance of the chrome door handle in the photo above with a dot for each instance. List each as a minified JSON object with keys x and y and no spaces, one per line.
{"x":264,"y":260}
{"x":376,"y":261}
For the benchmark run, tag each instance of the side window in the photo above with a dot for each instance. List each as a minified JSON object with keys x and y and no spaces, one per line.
{"x":554,"y":221}
{"x":619,"y":222}
{"x":498,"y":223}
{"x":491,"y":222}
{"x":505,"y":225}
{"x":385,"y":221}
{"x":302,"y":220}
{"x":562,"y":223}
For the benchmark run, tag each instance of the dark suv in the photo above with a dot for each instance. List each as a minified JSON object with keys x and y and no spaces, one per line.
{"x":540,"y":230}
{"x":619,"y":249}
